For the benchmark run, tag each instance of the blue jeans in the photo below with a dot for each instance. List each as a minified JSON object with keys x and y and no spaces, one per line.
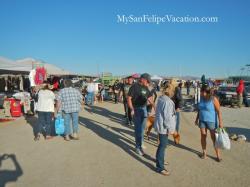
{"x":177,"y":122}
{"x":90,"y":98}
{"x":160,"y":153}
{"x":67,"y":119}
{"x":44,"y":122}
{"x":140,"y":119}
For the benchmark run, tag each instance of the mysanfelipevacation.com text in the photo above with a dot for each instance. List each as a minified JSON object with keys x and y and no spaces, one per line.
{"x":169,"y":18}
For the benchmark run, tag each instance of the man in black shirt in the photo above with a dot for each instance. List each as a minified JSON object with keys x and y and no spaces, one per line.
{"x":138,"y":96}
{"x":116,"y":88}
{"x":124,"y":93}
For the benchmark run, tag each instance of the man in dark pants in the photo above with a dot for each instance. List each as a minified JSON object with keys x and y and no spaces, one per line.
{"x":116,"y":88}
{"x":124,"y":93}
{"x":138,"y":96}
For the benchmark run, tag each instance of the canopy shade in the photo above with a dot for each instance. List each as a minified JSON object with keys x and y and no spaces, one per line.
{"x":27,"y":64}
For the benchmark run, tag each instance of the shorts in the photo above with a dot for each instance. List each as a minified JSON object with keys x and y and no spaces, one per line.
{"x":207,"y":125}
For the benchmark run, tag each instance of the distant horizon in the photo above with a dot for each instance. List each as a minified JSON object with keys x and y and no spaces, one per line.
{"x":159,"y":37}
{"x":113,"y":73}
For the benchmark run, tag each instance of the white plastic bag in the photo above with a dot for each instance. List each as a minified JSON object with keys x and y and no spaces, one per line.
{"x":222,"y":139}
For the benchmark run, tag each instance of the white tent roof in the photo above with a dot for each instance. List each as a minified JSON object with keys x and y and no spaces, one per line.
{"x":31,"y":63}
{"x":27,"y":64}
{"x":156,"y":77}
{"x":10,"y":65}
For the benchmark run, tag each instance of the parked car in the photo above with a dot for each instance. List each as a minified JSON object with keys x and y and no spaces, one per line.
{"x":227,"y":95}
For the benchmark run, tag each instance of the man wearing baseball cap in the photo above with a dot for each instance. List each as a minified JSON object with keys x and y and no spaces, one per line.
{"x":138,"y":96}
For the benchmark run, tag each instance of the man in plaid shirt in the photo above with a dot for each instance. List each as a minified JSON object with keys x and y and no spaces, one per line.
{"x":69,"y":102}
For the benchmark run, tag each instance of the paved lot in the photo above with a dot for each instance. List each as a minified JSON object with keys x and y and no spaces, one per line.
{"x":104,"y":156}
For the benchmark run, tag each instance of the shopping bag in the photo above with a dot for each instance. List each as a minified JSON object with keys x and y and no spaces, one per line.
{"x":222,"y":140}
{"x":59,"y":125}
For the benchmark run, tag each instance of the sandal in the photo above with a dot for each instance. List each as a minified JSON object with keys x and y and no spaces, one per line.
{"x":203,"y":156}
{"x":218,"y":159}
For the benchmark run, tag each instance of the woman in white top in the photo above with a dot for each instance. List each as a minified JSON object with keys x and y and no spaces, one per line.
{"x":45,"y":108}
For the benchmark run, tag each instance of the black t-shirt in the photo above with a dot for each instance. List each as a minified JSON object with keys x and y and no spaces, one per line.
{"x":139,"y":94}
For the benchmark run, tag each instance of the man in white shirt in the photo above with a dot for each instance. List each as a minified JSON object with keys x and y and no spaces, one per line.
{"x":91,"y":88}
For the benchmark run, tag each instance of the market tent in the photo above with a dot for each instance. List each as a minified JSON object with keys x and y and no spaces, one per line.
{"x":31,"y":63}
{"x":27,"y":64}
{"x":156,"y":78}
{"x":10,"y":66}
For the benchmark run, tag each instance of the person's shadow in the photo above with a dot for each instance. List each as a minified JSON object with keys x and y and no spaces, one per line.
{"x":32,"y":121}
{"x":10,"y":175}
{"x":123,"y":142}
{"x":115,"y":117}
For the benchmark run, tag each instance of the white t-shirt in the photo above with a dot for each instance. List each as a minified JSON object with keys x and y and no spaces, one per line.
{"x":91,"y":87}
{"x":46,"y":101}
{"x":32,"y":77}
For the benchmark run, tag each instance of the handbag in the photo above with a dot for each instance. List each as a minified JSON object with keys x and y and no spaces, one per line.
{"x":222,"y":139}
{"x":59,"y":125}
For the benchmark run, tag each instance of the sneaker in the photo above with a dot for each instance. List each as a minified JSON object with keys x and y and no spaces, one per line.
{"x":139,"y":152}
{"x":66,"y":138}
{"x":37,"y":137}
{"x":131,"y":123}
{"x":165,"y":172}
{"x":74,"y":136}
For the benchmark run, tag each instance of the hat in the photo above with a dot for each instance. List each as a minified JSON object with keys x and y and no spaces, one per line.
{"x":146,"y":76}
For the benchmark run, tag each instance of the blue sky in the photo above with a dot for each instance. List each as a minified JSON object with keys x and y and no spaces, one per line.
{"x":84,"y":36}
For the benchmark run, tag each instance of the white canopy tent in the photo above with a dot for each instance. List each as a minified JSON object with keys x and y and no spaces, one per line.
{"x":7,"y":65}
{"x":30,"y":64}
{"x":156,"y":78}
{"x":27,"y":64}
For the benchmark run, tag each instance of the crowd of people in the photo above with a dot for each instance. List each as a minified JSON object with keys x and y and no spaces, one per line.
{"x":139,"y":100}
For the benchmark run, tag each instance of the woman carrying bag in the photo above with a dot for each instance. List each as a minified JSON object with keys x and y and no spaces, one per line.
{"x":208,"y":111}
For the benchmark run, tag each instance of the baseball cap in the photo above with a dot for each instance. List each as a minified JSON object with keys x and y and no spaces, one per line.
{"x":146,"y":76}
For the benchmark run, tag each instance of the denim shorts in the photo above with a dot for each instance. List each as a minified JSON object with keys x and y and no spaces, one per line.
{"x":207,"y":125}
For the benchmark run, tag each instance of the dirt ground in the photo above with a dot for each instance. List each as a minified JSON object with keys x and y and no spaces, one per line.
{"x":104,"y":155}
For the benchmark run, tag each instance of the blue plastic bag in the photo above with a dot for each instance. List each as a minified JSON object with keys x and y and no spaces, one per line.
{"x":59,"y":125}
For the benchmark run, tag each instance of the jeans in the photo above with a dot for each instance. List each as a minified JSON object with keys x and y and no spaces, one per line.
{"x":90,"y":98}
{"x":188,"y":90}
{"x":116,"y":97}
{"x":177,"y":122}
{"x":140,"y":119}
{"x":160,"y":153}
{"x":127,"y":111}
{"x":44,"y":122}
{"x":67,"y":120}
